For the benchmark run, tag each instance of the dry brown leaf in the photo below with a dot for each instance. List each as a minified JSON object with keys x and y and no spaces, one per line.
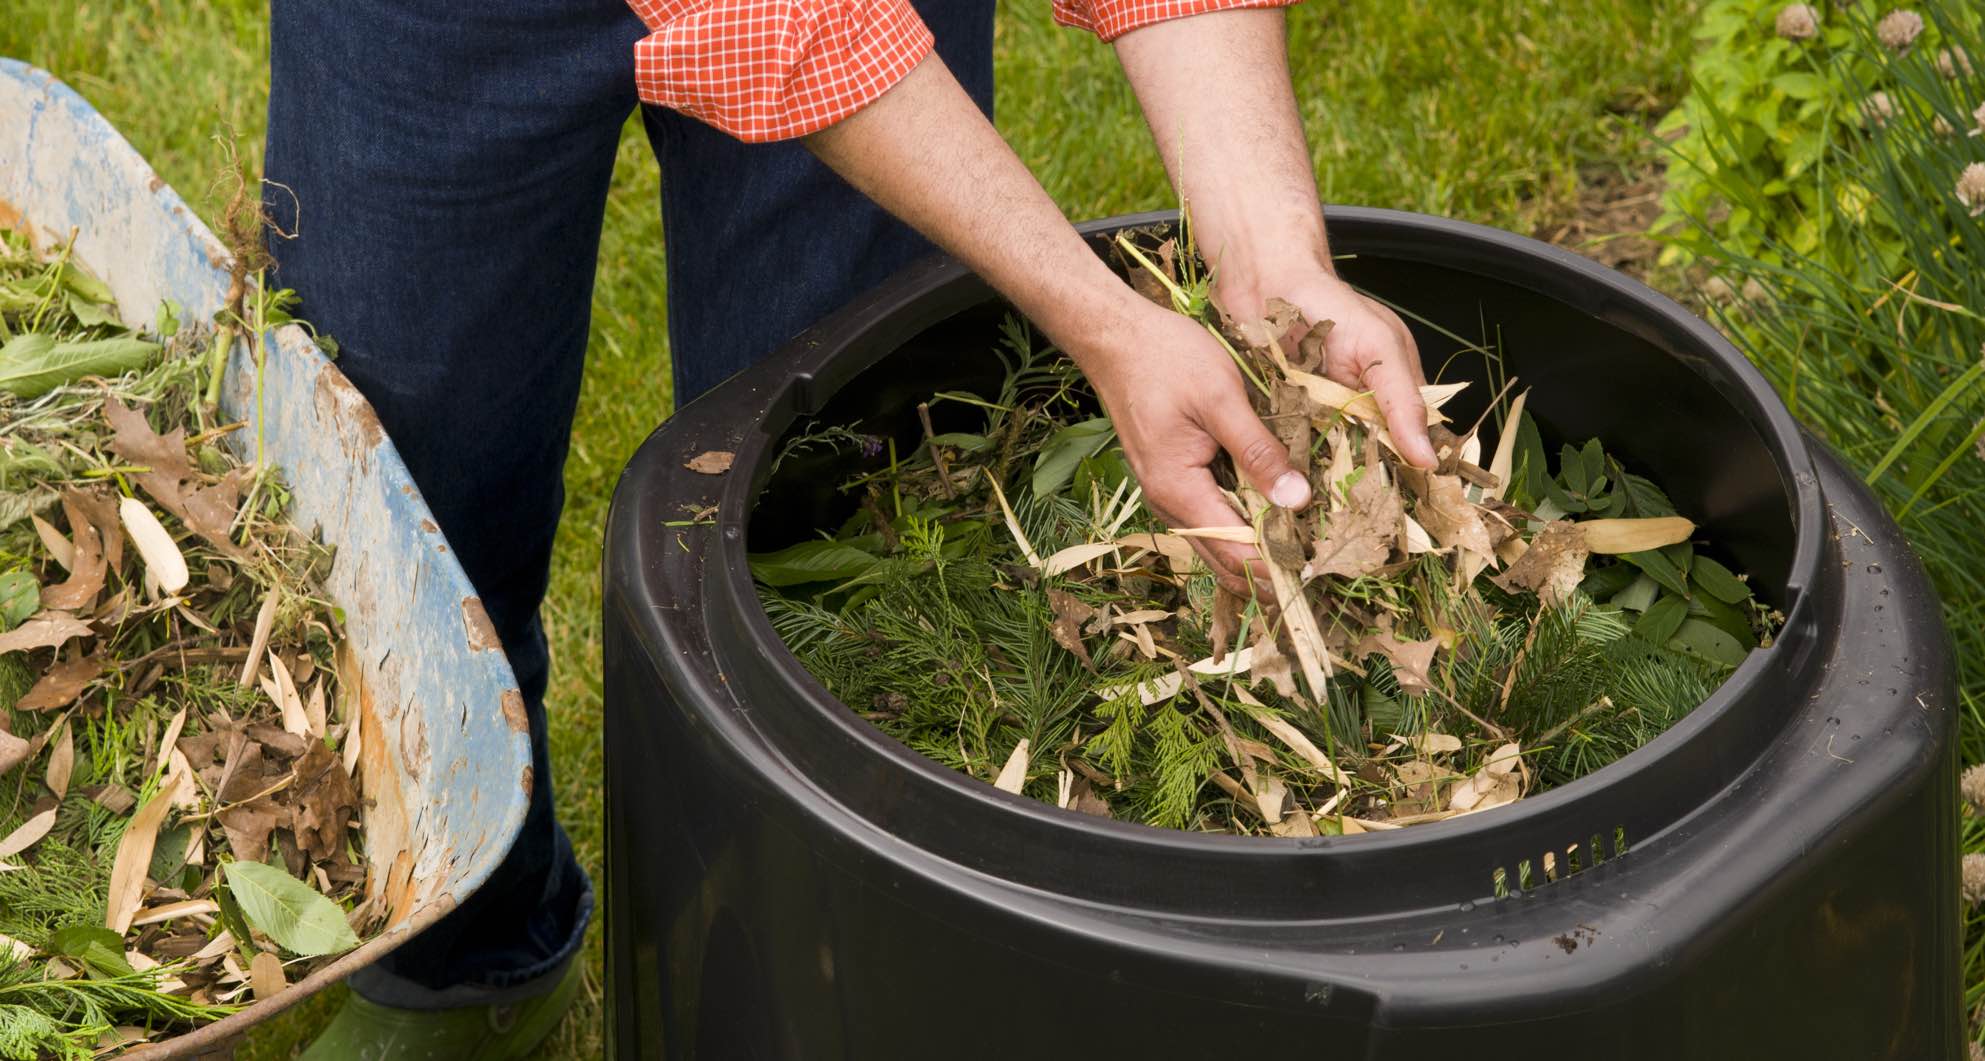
{"x":1084,"y":800}
{"x":134,"y":854}
{"x":711,"y":462}
{"x":49,"y":629}
{"x":1503,"y":464}
{"x":1070,"y":614}
{"x":168,"y":911}
{"x":266,"y":973}
{"x":1552,"y":566}
{"x":86,"y":563}
{"x":1075,"y":556}
{"x":1013,"y":776}
{"x":354,"y":735}
{"x":1359,"y":537}
{"x":1295,"y":824}
{"x":52,"y":540}
{"x":101,"y":507}
{"x":323,"y":801}
{"x":1177,"y":552}
{"x":61,"y":683}
{"x":1610,"y":536}
{"x":1270,"y":663}
{"x":1412,"y":661}
{"x":62,"y":762}
{"x":248,"y":825}
{"x":1228,"y":611}
{"x":1445,"y":511}
{"x":265,"y":623}
{"x":13,"y":751}
{"x":313,"y":709}
{"x":211,"y":510}
{"x":15,"y":950}
{"x":114,"y":798}
{"x":167,"y":464}
{"x":282,"y":690}
{"x":1269,"y":797}
{"x":29,"y":832}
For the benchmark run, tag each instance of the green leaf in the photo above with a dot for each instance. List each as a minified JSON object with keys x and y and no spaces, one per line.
{"x":20,"y":597}
{"x":33,"y":365}
{"x":961,"y":441}
{"x":100,"y":950}
{"x":87,"y":286}
{"x":1609,"y":582}
{"x":168,"y":325}
{"x":1717,"y":581}
{"x":1800,"y":85}
{"x":231,"y":916}
{"x":289,"y":911}
{"x":1660,"y":622}
{"x":169,"y":852}
{"x":1571,"y":468}
{"x":1530,"y":461}
{"x":1645,"y":499}
{"x":1106,"y":470}
{"x":1661,"y":569}
{"x":1066,"y":449}
{"x":1638,"y":595}
{"x":1704,"y":640}
{"x":814,"y":561}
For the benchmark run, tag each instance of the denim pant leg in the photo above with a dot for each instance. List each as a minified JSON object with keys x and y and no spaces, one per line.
{"x":764,"y":240}
{"x":449,"y":164}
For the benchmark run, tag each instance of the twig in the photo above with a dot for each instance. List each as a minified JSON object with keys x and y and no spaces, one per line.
{"x":936,"y":457}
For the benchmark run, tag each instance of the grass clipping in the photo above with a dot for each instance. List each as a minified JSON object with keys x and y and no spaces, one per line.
{"x":1428,"y":643}
{"x":177,"y":805}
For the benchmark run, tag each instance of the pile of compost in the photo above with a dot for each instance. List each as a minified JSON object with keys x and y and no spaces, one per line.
{"x":1416,"y":645}
{"x":179,"y":826}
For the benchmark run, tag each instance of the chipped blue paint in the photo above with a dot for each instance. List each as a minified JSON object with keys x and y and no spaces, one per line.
{"x":445,"y":761}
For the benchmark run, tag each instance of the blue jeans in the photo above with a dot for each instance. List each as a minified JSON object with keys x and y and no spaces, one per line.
{"x":450,"y":165}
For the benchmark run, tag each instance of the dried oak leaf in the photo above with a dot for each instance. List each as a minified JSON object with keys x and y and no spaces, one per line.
{"x":1412,"y":661}
{"x":1552,"y":567}
{"x":1358,"y":540}
{"x":1082,"y":798}
{"x":86,"y":562}
{"x":1453,"y":521}
{"x":323,"y":801}
{"x":101,"y":508}
{"x":168,"y":470}
{"x":61,"y":683}
{"x":49,"y":629}
{"x":248,"y":826}
{"x":711,"y":462}
{"x":277,"y":740}
{"x":1268,"y":662}
{"x":1070,"y":614}
{"x":1228,"y":610}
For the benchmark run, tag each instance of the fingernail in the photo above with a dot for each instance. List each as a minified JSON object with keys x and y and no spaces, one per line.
{"x":1290,"y":491}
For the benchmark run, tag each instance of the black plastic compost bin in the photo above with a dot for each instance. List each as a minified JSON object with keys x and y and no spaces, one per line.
{"x":1775,"y":877}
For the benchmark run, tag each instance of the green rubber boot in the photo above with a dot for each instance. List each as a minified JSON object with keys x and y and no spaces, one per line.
{"x":367,"y":1031}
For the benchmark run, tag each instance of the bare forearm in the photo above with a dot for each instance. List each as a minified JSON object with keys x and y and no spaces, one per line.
{"x":1215,"y":90}
{"x":924,"y":152}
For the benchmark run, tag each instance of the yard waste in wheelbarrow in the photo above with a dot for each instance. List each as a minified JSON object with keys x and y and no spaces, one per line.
{"x":444,"y":766}
{"x":1773,"y":876}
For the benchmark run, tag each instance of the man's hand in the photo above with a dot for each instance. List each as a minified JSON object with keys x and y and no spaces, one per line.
{"x":1368,"y":348}
{"x":1177,"y":401}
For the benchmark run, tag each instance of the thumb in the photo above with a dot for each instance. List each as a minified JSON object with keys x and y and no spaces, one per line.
{"x":1260,"y":457}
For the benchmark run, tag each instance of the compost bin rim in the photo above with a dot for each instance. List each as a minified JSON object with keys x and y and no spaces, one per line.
{"x":929,"y":292}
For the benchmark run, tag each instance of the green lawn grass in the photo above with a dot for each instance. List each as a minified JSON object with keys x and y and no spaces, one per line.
{"x":1487,"y":111}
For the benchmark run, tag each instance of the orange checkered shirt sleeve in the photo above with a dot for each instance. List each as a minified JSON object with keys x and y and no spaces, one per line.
{"x":765,"y":70}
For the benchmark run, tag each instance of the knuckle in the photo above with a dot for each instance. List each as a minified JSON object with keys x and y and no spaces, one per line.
{"x":1262,"y":454}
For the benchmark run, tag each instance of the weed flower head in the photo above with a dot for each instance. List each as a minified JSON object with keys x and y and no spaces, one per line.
{"x":1878,"y":108}
{"x":1978,"y":117}
{"x":1754,"y":291}
{"x":1942,"y":127}
{"x":1898,"y":30}
{"x":1953,"y":62}
{"x":1974,"y":879}
{"x":1717,"y":289}
{"x":1971,"y":784}
{"x":1971,"y":188}
{"x":1798,"y":22}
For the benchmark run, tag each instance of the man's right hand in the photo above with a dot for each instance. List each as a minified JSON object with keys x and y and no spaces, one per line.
{"x":1178,"y":400}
